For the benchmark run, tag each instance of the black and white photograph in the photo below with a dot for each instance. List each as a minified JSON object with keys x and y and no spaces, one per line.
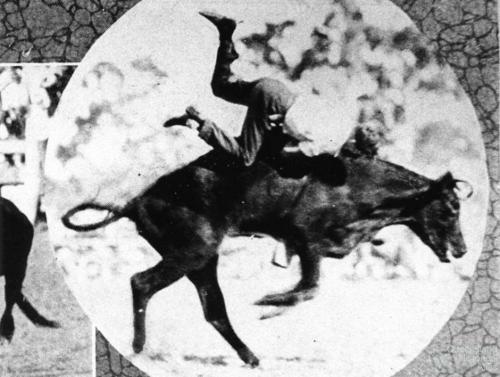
{"x":43,"y":330}
{"x":266,"y":189}
{"x":249,"y":188}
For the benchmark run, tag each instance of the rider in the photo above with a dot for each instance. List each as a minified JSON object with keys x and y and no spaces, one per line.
{"x":275,"y":116}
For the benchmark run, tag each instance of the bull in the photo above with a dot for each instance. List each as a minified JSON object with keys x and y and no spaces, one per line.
{"x":185,"y":216}
{"x":16,"y":237}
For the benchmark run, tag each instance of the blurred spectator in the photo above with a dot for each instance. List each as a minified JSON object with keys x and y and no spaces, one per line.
{"x":14,"y":98}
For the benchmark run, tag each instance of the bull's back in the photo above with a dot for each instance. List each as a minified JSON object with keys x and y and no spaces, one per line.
{"x":370,"y":180}
{"x":258,"y":195}
{"x":366,"y":184}
{"x":182,"y":199}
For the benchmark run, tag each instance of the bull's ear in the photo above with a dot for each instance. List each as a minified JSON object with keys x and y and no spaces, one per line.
{"x":446,"y":180}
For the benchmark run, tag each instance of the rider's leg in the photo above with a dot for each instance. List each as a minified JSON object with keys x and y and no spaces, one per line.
{"x":263,"y":97}
{"x":267,"y":97}
{"x":224,"y":83}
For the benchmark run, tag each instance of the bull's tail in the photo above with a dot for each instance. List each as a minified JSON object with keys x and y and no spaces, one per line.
{"x":113,"y":215}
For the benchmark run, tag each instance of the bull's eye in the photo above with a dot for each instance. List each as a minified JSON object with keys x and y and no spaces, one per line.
{"x":444,"y":213}
{"x":452,"y":205}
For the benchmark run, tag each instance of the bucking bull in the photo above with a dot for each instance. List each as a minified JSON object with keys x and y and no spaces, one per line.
{"x":186,"y":214}
{"x":16,"y":237}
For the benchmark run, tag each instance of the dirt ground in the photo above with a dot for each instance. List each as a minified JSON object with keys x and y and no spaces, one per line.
{"x":37,"y":352}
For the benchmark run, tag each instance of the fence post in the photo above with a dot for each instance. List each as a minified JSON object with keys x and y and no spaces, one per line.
{"x":33,"y":177}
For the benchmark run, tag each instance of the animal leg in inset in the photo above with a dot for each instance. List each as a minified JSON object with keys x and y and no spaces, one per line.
{"x":33,"y":315}
{"x":214,"y":309}
{"x":12,"y":292}
{"x":144,"y":285}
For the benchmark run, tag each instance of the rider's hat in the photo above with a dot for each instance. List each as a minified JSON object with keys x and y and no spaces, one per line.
{"x":317,"y":124}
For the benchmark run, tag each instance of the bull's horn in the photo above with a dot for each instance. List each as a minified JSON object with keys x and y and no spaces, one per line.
{"x":469,"y":187}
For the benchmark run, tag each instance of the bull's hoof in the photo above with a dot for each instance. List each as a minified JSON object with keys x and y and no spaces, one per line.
{"x":6,"y":338}
{"x":249,"y":358}
{"x":4,"y":341}
{"x":138,"y":345}
{"x":276,"y":312}
{"x":279,"y":299}
{"x":7,"y":329}
{"x":444,"y":259}
{"x":54,"y":325}
{"x":287,"y":298}
{"x":48,"y":323}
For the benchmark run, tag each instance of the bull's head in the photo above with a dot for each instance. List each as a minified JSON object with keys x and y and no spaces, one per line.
{"x":436,"y":218}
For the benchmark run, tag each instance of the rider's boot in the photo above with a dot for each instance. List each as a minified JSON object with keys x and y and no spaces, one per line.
{"x":224,"y":25}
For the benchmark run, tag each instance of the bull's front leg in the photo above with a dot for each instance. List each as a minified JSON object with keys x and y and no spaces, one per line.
{"x":214,"y":309}
{"x":306,"y":288}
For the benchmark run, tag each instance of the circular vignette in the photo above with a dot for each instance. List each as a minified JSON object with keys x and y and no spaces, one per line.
{"x":116,"y":84}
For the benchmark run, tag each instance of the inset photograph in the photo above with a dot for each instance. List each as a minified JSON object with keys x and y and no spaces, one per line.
{"x":247,"y":189}
{"x":43,"y":330}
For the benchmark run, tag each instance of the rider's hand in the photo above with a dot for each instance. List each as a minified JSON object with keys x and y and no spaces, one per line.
{"x":193,"y":113}
{"x":275,"y":120}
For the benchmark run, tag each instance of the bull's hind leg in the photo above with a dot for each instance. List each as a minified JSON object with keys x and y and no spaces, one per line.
{"x":214,"y":309}
{"x":7,"y":323}
{"x":144,"y":285}
{"x":306,"y":288}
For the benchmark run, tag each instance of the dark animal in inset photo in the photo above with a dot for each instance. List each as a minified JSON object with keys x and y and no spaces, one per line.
{"x":16,"y":237}
{"x":185,"y":216}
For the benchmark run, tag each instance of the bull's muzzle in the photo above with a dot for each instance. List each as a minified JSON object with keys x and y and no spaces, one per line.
{"x":458,"y":248}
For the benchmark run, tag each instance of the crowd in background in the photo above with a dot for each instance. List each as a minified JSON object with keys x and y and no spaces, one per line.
{"x":28,"y":98}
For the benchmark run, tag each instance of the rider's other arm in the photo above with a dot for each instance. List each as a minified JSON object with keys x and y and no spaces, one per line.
{"x":218,"y":139}
{"x":244,"y":147}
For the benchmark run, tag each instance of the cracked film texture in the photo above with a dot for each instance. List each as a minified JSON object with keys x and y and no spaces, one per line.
{"x":54,"y":30}
{"x":464,"y":32}
{"x":109,"y":363}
